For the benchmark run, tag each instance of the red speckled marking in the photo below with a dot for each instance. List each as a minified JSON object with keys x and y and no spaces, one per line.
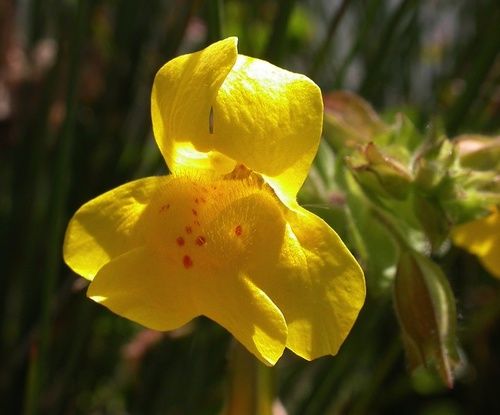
{"x":165,"y":207}
{"x":196,"y":201}
{"x":180,"y":241}
{"x":238,"y":230}
{"x":195,"y":212}
{"x":189,"y":229}
{"x":200,"y":240}
{"x":187,"y":261}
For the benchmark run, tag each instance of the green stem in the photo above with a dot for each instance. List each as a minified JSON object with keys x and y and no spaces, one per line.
{"x":322,"y":52}
{"x":387,"y":40}
{"x":485,"y":55}
{"x":250,"y":385}
{"x":275,"y":47}
{"x":60,"y":186}
{"x":266,"y":388}
{"x":399,"y":238}
{"x":365,"y":26}
{"x":215,"y":19}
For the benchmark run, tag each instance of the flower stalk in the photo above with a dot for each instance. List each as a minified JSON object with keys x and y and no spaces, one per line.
{"x":251,"y":385}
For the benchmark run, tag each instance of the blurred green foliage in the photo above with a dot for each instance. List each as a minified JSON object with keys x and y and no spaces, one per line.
{"x":75,"y":79}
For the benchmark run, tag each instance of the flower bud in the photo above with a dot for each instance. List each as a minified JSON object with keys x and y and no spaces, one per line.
{"x":433,"y":219}
{"x":433,"y":163}
{"x":350,"y":120}
{"x":479,"y":152}
{"x":426,"y":311}
{"x":472,"y":193}
{"x":380,"y":174}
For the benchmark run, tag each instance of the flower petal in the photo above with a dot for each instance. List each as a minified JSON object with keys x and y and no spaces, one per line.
{"x":214,"y":109}
{"x":482,"y":238}
{"x":318,"y":286}
{"x":144,"y":288}
{"x":270,"y":120}
{"x":159,"y":293}
{"x":200,"y":248}
{"x":243,"y":240}
{"x":184,"y":92}
{"x":237,"y":304}
{"x":107,"y":226}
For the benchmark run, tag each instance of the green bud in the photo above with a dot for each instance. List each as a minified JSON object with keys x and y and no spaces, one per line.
{"x":403,"y":135}
{"x":350,"y":120}
{"x":432,"y":164}
{"x":473,"y":193}
{"x":479,"y":152}
{"x":380,"y":174}
{"x":433,"y":219}
{"x":426,"y":311}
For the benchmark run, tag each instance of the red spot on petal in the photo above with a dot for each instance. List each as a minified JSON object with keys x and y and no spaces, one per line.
{"x":180,"y":241}
{"x":195,"y":212}
{"x":189,"y":229}
{"x":238,"y":230}
{"x":187,"y":261}
{"x":203,"y":200}
{"x":200,"y":240}
{"x":165,"y":207}
{"x":196,"y":201}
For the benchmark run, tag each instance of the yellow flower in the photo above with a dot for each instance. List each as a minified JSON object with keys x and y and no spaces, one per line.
{"x":223,"y":235}
{"x":481,"y":237}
